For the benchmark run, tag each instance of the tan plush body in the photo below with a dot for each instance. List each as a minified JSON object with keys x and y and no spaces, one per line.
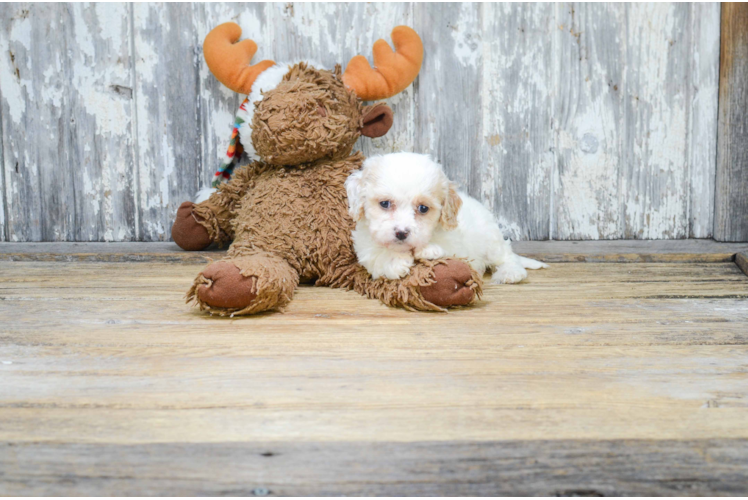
{"x":287,"y":215}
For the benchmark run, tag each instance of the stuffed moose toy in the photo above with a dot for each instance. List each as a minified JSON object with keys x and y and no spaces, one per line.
{"x":286,"y":213}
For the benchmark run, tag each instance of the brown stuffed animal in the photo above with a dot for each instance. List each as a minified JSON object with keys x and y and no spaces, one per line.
{"x":287,"y":213}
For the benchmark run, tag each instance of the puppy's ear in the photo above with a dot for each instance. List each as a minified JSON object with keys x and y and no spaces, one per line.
{"x":451,"y":207}
{"x":354,"y":188}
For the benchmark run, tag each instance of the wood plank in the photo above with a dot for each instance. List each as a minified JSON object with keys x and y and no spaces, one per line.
{"x":659,"y":345}
{"x":731,"y":198}
{"x":630,"y":250}
{"x":72,"y":93}
{"x":516,"y":101}
{"x":741,"y":260}
{"x":549,"y":251}
{"x":703,"y":116}
{"x":611,"y":182}
{"x":99,"y":153}
{"x":589,"y":121}
{"x":167,"y":111}
{"x":614,"y":379}
{"x":35,"y":112}
{"x":655,"y":183}
{"x":535,"y":468}
{"x":3,"y":200}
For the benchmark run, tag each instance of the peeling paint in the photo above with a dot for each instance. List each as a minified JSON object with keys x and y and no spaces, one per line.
{"x":10,"y":81}
{"x":600,"y":124}
{"x":467,"y":45}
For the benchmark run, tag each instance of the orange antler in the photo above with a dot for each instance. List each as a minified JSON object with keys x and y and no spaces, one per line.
{"x":229,"y":61}
{"x":393,"y":71}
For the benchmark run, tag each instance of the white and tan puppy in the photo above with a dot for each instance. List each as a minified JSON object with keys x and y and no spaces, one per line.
{"x":405,"y":208}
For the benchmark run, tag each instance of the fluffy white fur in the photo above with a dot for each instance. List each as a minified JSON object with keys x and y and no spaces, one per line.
{"x":453,"y":223}
{"x":267,"y":80}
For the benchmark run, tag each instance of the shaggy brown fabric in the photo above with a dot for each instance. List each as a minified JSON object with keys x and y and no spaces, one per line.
{"x":288,"y":129}
{"x":291,"y":223}
{"x":188,"y":230}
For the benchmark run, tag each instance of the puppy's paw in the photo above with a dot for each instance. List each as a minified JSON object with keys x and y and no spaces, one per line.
{"x":508,"y":273}
{"x":398,"y":268}
{"x":431,"y":252}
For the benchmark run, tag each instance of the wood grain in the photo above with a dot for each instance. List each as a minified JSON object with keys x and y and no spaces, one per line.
{"x":741,"y":259}
{"x":703,"y":116}
{"x":654,"y":168}
{"x":167,"y":113}
{"x":67,"y":133}
{"x":3,"y":201}
{"x":571,"y":121}
{"x":534,"y":468}
{"x":589,"y":121}
{"x":517,"y":139}
{"x":587,"y":378}
{"x":731,"y":197}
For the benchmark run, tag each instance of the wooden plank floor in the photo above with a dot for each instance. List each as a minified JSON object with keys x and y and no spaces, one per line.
{"x":589,"y":378}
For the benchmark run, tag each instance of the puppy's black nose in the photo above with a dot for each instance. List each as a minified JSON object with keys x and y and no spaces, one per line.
{"x":401,"y":235}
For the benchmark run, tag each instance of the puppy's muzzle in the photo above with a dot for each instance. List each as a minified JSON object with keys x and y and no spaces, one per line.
{"x":401,"y":235}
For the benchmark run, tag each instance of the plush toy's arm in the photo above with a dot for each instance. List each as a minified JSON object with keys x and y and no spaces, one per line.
{"x":218,"y":210}
{"x":198,"y":225}
{"x":430,"y":286}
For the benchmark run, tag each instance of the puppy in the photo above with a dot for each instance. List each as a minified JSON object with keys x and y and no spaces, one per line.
{"x":405,"y":208}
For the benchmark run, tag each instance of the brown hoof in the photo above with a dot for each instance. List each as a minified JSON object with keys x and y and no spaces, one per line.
{"x":227,"y":289}
{"x":451,"y":287}
{"x":187,"y":232}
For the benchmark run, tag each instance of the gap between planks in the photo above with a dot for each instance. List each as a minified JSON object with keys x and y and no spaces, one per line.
{"x":618,"y":251}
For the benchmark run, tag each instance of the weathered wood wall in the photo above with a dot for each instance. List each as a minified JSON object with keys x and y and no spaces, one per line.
{"x":731,"y":210}
{"x":572,"y":121}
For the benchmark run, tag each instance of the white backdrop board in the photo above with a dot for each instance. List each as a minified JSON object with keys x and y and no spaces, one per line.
{"x":571,"y":121}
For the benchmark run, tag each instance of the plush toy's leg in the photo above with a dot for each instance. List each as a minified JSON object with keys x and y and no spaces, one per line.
{"x":244,"y":285}
{"x":430,"y":286}
{"x":196,"y":226}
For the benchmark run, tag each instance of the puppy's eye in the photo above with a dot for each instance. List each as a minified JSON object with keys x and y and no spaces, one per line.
{"x":423,"y":209}
{"x":384,"y":204}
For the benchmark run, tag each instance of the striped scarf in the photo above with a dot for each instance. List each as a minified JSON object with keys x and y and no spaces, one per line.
{"x":233,"y":154}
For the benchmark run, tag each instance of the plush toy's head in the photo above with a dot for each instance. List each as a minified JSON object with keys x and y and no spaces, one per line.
{"x":309,"y":115}
{"x":300,"y":113}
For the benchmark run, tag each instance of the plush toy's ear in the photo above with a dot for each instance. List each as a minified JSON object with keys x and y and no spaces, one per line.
{"x":451,"y":207}
{"x":377,"y":120}
{"x":354,"y":188}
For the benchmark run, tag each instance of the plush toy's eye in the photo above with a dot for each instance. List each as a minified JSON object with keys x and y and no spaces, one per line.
{"x":384,"y":204}
{"x":423,"y":209}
